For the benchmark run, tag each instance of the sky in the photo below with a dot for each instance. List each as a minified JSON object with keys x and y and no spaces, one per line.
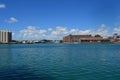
{"x":54,"y":19}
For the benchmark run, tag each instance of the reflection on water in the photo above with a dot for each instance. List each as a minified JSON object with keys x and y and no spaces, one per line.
{"x":59,"y":62}
{"x":5,"y":57}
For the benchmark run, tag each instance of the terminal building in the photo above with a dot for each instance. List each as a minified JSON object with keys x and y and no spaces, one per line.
{"x":84,"y":39}
{"x":5,"y":36}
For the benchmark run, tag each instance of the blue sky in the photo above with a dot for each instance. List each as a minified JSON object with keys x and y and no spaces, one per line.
{"x":53,"y":19}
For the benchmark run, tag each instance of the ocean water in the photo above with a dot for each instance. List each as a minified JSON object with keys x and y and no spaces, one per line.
{"x":59,"y":62}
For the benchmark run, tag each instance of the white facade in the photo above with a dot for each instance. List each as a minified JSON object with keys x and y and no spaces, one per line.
{"x":5,"y":36}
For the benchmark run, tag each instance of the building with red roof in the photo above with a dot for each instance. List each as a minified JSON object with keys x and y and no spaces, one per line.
{"x":84,"y":39}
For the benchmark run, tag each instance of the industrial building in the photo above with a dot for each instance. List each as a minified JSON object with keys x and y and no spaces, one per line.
{"x":5,"y":36}
{"x":84,"y":39}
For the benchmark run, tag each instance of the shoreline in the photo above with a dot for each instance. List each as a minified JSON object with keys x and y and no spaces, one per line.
{"x":60,"y":43}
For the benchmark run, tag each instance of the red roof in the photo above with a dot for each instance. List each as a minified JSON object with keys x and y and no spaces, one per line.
{"x":94,"y":38}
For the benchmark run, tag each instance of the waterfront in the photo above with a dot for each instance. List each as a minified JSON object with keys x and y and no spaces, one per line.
{"x":59,"y":62}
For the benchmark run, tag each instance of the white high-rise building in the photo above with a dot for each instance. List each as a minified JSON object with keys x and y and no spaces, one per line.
{"x":5,"y":36}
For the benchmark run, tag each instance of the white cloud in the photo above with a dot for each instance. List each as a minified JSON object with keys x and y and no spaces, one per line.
{"x":116,"y":30}
{"x":80,"y":32}
{"x":59,"y":32}
{"x":74,"y":31}
{"x":42,"y":31}
{"x":12,"y":20}
{"x":2,"y":6}
{"x":13,"y":33}
{"x":32,"y":33}
{"x":103,"y":31}
{"x":50,"y":29}
{"x":85,"y":32}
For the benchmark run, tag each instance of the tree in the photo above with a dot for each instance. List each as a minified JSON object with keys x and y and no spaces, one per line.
{"x":70,"y":34}
{"x":97,"y":35}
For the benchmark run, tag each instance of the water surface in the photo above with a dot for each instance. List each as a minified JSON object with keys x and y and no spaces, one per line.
{"x":60,"y":62}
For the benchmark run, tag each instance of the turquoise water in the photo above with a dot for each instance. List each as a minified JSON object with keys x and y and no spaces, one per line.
{"x":60,"y":62}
